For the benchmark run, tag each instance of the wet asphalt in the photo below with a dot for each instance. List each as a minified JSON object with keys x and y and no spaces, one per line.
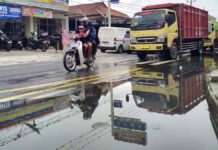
{"x":120,"y":103}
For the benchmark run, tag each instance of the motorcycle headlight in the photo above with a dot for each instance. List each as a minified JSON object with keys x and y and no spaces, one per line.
{"x":133,"y":40}
{"x":161,"y":38}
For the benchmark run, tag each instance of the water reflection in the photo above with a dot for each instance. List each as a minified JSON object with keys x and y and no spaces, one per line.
{"x":170,"y":89}
{"x":211,"y":64}
{"x":86,"y":97}
{"x":126,"y":129}
{"x":15,"y":112}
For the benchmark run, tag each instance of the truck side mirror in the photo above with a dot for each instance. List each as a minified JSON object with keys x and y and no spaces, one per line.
{"x":213,"y":29}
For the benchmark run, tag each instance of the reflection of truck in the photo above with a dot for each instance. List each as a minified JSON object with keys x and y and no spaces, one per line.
{"x":169,"y":28}
{"x":168,"y":91}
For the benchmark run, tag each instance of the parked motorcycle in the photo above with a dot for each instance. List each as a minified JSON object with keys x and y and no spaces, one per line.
{"x":45,"y":38}
{"x":5,"y":42}
{"x":35,"y":43}
{"x":75,"y":57}
{"x":17,"y":44}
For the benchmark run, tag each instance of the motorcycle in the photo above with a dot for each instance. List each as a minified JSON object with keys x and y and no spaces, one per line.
{"x":17,"y":44}
{"x":5,"y":42}
{"x":75,"y":56}
{"x":35,"y":43}
{"x":46,"y":39}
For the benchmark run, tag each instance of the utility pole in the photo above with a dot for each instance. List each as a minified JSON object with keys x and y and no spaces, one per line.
{"x":191,"y":1}
{"x":109,"y":13}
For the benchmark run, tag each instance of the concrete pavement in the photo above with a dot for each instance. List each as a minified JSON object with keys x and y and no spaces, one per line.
{"x":20,"y":57}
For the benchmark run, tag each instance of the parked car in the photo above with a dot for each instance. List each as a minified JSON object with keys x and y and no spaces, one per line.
{"x":112,"y":38}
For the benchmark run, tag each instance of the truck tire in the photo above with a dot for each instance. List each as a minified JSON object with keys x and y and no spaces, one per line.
{"x":103,"y":50}
{"x":212,"y":49}
{"x":129,"y":52}
{"x":200,"y":48}
{"x":173,"y":51}
{"x":141,"y":55}
{"x":120,"y":49}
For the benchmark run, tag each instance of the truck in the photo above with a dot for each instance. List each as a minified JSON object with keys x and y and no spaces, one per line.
{"x":169,"y":28}
{"x":211,"y":41}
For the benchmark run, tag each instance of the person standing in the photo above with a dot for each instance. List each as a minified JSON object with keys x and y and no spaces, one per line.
{"x":93,"y":38}
{"x":65,"y":40}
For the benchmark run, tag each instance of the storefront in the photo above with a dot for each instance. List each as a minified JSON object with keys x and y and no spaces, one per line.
{"x":34,"y":16}
{"x":11,"y":21}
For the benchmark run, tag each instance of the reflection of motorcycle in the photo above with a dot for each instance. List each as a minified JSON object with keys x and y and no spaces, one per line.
{"x":87,"y":97}
{"x":35,"y":43}
{"x":5,"y":42}
{"x":76,"y":56}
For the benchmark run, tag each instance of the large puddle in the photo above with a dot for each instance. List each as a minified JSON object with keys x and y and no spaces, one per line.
{"x":170,"y":106}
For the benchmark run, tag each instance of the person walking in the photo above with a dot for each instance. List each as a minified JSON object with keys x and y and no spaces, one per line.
{"x":65,"y":40}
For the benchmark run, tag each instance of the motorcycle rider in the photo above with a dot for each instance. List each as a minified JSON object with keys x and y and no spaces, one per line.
{"x":84,"y":35}
{"x":93,"y":38}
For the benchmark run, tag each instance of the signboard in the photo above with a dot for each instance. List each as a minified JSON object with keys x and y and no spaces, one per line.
{"x":10,"y":12}
{"x":115,"y":1}
{"x":61,"y":5}
{"x":129,"y":123}
{"x":118,"y":104}
{"x":130,"y":136}
{"x":36,"y":12}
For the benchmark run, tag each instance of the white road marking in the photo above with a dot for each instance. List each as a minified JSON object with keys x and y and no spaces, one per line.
{"x":145,"y":62}
{"x":162,"y":62}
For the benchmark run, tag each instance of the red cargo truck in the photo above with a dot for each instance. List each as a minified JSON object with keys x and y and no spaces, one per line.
{"x":169,"y":28}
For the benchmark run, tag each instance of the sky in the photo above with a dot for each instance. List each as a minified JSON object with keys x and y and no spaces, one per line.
{"x":129,"y":7}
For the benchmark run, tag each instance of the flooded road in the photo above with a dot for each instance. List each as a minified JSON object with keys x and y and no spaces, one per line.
{"x":141,"y":105}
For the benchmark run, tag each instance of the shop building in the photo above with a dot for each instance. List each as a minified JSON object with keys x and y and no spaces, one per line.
{"x":18,"y":18}
{"x":97,"y":13}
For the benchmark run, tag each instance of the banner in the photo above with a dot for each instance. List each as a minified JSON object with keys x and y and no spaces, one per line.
{"x":36,"y":12}
{"x":10,"y":12}
{"x":61,"y":5}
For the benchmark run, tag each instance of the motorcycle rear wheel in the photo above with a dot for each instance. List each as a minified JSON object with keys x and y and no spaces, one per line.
{"x":43,"y":48}
{"x":69,"y":61}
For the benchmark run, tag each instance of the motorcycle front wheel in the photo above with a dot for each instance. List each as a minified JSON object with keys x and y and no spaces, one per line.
{"x":69,"y":61}
{"x":8,"y":47}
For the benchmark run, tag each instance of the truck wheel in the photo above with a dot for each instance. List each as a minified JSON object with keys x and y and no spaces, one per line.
{"x":129,"y":52}
{"x":173,"y":52}
{"x":212,"y":49}
{"x":200,"y":48}
{"x":103,"y":51}
{"x":120,"y":49}
{"x":141,"y":55}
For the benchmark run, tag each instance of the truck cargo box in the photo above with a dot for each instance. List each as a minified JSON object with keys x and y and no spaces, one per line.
{"x":194,"y":21}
